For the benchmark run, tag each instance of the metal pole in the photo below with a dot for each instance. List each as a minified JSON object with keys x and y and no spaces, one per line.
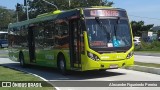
{"x":100,"y":2}
{"x":27,"y":9}
{"x":17,"y":17}
{"x":69,"y":3}
{"x":50,"y":4}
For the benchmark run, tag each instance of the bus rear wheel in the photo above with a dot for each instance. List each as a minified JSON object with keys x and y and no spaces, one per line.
{"x":62,"y":65}
{"x":21,"y":59}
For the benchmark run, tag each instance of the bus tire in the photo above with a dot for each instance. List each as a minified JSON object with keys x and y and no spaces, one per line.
{"x":62,"y":65}
{"x":21,"y":59}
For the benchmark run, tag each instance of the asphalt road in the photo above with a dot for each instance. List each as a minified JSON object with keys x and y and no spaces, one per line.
{"x":147,"y":59}
{"x":109,"y":75}
{"x":147,"y":54}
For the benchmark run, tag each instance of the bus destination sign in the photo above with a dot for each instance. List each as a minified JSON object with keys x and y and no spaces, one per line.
{"x":104,"y":13}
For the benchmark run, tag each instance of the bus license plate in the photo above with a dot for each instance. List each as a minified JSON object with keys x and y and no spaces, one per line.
{"x":113,"y":66}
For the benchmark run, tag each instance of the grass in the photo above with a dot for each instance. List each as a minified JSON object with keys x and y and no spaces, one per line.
{"x":7,"y":74}
{"x":3,"y":55}
{"x":148,"y":64}
{"x":148,"y":46}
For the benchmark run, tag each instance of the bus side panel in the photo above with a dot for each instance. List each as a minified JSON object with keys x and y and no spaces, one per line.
{"x":46,"y":57}
{"x":13,"y":54}
{"x":49,"y":58}
{"x":26,"y":56}
{"x":40,"y":56}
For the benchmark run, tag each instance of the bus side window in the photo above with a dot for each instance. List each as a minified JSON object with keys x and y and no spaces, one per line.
{"x":39,"y":35}
{"x":49,"y":40}
{"x":62,"y":35}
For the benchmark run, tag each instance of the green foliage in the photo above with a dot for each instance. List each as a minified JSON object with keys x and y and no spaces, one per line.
{"x":146,"y":46}
{"x":139,"y":27}
{"x":158,"y":33}
{"x":39,"y":6}
{"x":6,"y":16}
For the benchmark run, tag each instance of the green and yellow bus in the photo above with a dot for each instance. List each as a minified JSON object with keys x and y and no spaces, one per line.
{"x":81,"y":39}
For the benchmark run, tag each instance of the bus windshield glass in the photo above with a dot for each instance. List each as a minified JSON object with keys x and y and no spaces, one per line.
{"x":108,"y":33}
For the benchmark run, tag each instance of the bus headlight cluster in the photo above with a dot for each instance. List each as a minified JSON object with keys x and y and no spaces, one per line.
{"x":93,"y":56}
{"x":130,"y":55}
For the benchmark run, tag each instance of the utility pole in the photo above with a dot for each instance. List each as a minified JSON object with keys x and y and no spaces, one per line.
{"x":69,"y":3}
{"x":18,"y":6}
{"x":50,"y":4}
{"x":26,"y":4}
{"x":17,"y":17}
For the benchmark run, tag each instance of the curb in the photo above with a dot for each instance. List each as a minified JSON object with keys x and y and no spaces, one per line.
{"x":145,"y":69}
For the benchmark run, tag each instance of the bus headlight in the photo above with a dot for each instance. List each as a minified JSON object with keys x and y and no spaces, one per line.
{"x":93,"y":56}
{"x":130,"y":55}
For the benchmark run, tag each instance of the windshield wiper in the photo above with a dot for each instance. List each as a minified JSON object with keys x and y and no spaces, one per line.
{"x":115,"y":41}
{"x":105,"y":29}
{"x":116,"y":26}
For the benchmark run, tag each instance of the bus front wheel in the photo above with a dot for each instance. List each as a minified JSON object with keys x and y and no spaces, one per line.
{"x":62,"y":65}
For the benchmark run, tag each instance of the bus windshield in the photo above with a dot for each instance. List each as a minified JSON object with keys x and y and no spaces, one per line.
{"x":108,"y":33}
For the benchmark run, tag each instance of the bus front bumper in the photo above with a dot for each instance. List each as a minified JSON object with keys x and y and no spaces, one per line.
{"x":97,"y":65}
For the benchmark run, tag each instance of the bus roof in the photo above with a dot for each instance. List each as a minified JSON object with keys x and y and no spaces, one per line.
{"x":39,"y":18}
{"x":56,"y":14}
{"x":103,"y":7}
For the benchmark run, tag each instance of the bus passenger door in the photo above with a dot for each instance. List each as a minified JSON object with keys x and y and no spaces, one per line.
{"x":31,"y":43}
{"x":75,"y":56}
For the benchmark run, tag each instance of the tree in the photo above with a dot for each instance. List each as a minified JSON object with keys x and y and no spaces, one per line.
{"x":39,"y":6}
{"x":139,"y":27}
{"x":6,"y":16}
